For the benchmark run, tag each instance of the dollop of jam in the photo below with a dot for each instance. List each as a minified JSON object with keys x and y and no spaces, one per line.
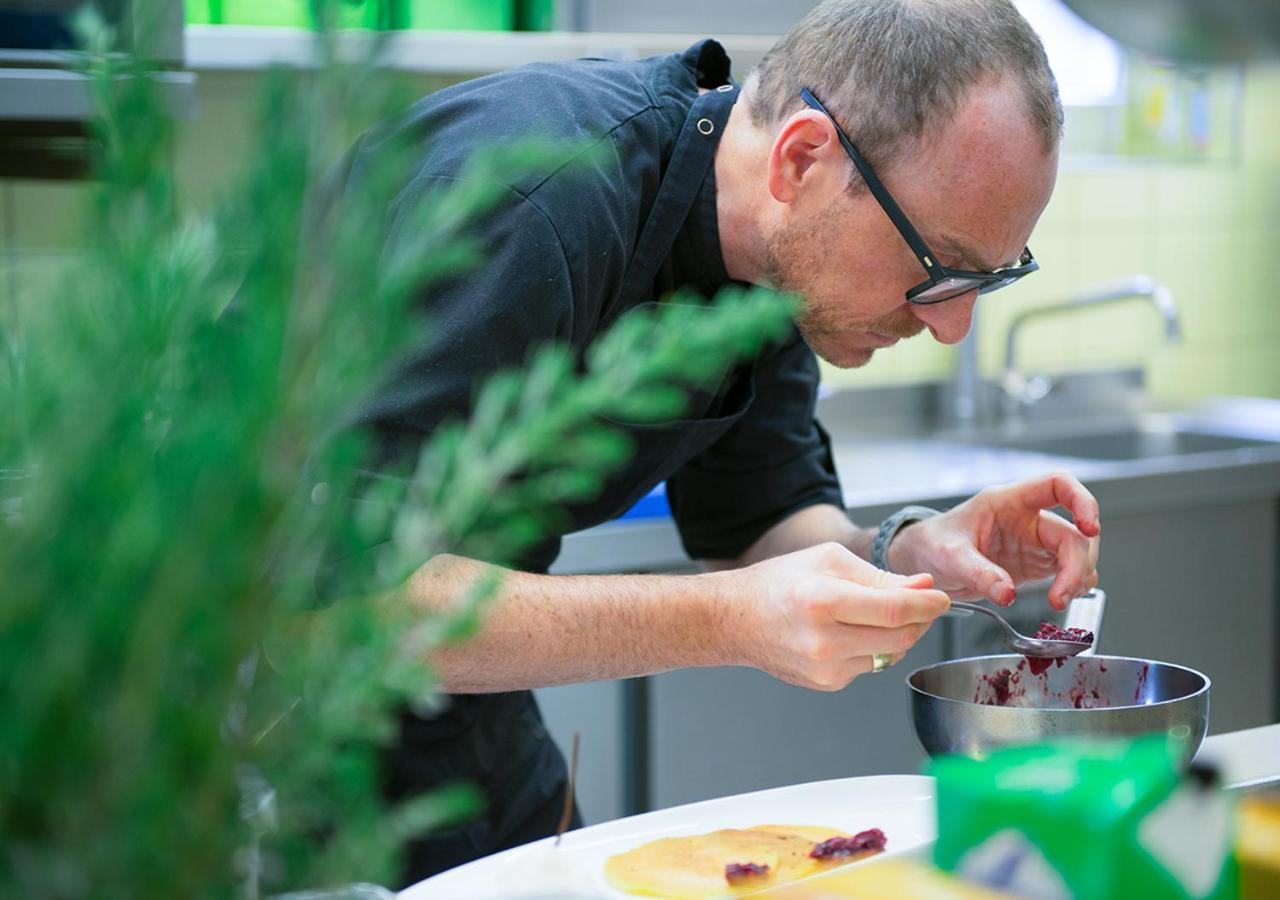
{"x":736,"y":873}
{"x":1000,"y":684}
{"x":840,"y":847}
{"x":1050,"y":632}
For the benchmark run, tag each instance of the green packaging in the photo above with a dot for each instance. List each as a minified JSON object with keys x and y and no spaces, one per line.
{"x":1086,"y":820}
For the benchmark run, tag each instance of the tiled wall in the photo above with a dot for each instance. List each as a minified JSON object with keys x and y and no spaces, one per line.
{"x":1209,"y":231}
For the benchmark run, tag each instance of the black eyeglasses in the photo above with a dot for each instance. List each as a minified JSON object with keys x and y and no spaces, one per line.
{"x":943,"y":283}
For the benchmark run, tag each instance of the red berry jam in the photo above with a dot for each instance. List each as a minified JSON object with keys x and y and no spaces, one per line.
{"x":1040,"y":664}
{"x":872,"y":839}
{"x":1050,"y":632}
{"x":1000,"y":684}
{"x":737,"y":873}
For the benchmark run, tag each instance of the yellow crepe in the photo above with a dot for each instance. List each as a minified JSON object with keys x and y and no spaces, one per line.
{"x":888,"y":879}
{"x":694,"y":866}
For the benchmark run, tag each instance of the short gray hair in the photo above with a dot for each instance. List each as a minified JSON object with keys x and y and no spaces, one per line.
{"x":887,"y":68}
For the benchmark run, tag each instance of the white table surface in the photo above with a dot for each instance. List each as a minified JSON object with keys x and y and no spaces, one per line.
{"x":1247,"y":758}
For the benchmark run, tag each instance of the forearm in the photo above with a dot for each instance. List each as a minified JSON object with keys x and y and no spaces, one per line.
{"x":542,"y":630}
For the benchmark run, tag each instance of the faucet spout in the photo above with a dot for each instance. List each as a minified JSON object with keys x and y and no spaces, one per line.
{"x":1162,"y":297}
{"x":1142,"y":287}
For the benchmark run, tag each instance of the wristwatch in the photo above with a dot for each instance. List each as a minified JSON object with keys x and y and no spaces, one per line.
{"x":891,"y":526}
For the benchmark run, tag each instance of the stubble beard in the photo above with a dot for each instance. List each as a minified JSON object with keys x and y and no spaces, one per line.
{"x":790,"y":256}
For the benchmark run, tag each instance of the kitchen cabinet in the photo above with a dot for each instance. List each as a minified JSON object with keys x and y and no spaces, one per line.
{"x":719,"y":731}
{"x":595,"y":711}
{"x":725,"y":731}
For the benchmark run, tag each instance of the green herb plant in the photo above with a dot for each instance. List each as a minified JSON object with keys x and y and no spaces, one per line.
{"x":182,"y":717}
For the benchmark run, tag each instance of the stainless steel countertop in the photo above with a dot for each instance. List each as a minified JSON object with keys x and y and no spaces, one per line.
{"x":884,"y":464}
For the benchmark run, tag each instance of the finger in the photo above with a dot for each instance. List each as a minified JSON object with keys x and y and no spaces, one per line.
{"x":844,"y":562}
{"x":1076,"y":557}
{"x":983,"y":577}
{"x":838,"y":677}
{"x":856,"y":604}
{"x":860,"y":640}
{"x":1061,"y":598}
{"x":859,"y":665}
{"x":1062,"y":489}
{"x":853,"y":650}
{"x":886,"y":579}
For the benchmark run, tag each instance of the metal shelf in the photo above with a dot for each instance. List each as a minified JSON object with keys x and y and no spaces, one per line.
{"x":38,"y":95}
{"x":235,"y":47}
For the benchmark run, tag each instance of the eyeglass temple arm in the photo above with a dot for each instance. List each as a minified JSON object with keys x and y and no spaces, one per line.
{"x":886,"y":201}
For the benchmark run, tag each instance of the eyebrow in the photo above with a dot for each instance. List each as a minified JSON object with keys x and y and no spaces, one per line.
{"x":970,"y":257}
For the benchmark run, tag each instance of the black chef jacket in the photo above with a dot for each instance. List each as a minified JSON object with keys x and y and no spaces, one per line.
{"x":571,"y":247}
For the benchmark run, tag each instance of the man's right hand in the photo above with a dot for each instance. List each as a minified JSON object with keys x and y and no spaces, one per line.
{"x":816,"y":617}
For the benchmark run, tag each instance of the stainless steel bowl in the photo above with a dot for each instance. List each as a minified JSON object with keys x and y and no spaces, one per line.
{"x":954,"y":704}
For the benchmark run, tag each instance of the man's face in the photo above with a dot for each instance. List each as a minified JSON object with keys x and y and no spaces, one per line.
{"x":851,"y":309}
{"x":974,"y":192}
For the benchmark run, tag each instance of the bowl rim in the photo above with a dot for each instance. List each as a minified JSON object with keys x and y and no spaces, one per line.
{"x":914,"y":690}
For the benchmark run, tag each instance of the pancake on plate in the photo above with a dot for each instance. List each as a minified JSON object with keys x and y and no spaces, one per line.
{"x":724,"y":862}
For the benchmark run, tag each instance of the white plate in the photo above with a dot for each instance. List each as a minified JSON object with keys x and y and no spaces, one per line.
{"x":902,"y":806}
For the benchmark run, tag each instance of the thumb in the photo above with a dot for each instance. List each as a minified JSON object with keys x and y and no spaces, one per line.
{"x":853,"y":567}
{"x":920,"y":580}
{"x":985,"y":578}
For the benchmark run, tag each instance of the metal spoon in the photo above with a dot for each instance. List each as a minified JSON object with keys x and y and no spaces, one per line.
{"x":1020,"y":643}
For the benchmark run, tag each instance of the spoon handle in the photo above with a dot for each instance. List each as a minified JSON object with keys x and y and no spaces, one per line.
{"x":968,"y":609}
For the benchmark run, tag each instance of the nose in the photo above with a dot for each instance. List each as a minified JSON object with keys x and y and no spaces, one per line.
{"x":949,"y":320}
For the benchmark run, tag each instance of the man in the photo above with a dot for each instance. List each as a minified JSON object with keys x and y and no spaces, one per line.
{"x":886,"y":161}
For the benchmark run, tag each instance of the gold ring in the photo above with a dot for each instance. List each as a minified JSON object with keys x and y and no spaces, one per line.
{"x":881,"y":661}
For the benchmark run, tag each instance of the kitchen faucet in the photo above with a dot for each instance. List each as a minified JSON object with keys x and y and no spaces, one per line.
{"x":1019,"y":391}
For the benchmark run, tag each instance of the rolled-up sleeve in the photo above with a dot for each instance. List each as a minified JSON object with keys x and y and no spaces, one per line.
{"x":774,"y":461}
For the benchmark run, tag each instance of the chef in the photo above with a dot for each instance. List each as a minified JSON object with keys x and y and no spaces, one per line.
{"x":887,"y":161}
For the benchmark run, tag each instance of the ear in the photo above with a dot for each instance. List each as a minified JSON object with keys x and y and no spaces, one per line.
{"x":806,"y":149}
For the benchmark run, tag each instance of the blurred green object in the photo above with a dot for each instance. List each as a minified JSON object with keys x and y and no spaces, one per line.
{"x":427,"y":15}
{"x":202,"y":12}
{"x":287,"y":13}
{"x":1087,"y":820}
{"x":459,"y":15}
{"x":535,"y":15}
{"x":194,"y":702}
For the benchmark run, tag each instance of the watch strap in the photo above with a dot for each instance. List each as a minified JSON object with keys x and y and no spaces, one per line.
{"x":890,"y":527}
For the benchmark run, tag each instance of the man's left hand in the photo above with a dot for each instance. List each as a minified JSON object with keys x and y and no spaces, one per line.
{"x":1005,"y":536}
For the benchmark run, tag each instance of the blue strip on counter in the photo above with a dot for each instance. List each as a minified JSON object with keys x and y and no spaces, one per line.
{"x":652,"y":505}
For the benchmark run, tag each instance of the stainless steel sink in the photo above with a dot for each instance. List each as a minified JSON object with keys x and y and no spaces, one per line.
{"x":1128,"y":442}
{"x":1103,"y":417}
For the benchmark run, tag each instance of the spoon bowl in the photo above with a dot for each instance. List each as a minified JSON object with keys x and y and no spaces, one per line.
{"x":1016,"y":642}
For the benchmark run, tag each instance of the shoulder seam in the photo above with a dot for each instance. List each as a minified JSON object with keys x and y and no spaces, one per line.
{"x":560,"y":168}
{"x":564,"y":256}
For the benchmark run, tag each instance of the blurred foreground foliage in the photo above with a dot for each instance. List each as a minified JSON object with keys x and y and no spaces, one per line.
{"x":179,"y":720}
